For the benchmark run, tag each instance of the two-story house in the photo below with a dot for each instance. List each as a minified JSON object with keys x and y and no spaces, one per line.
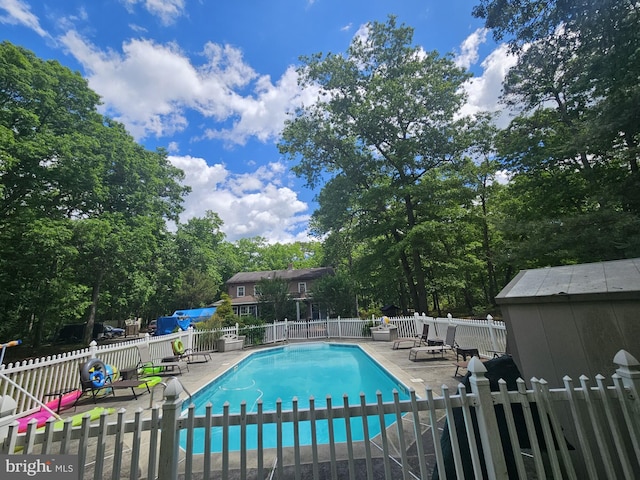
{"x":244,"y":296}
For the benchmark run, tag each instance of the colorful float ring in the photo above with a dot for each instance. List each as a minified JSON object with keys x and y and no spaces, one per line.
{"x":98,"y":379}
{"x":90,"y":367}
{"x":111,"y":372}
{"x":178,"y":346}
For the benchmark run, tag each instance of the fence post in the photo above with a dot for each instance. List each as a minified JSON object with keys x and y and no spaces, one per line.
{"x":170,"y":435}
{"x":93,"y":349}
{"x":190,"y":338}
{"x":629,"y":371}
{"x":494,"y":344}
{"x":487,"y":423}
{"x":339,"y":327}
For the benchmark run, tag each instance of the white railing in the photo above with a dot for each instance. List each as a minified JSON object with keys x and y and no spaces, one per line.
{"x":488,"y":441}
{"x":61,"y":372}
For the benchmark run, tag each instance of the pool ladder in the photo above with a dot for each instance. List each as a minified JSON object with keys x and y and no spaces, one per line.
{"x":164,"y":386}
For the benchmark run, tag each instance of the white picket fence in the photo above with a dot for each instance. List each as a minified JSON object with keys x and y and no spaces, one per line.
{"x":488,"y":443}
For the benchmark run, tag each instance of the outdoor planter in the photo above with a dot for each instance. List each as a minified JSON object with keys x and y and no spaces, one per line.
{"x":384,"y":333}
{"x":229,"y":342}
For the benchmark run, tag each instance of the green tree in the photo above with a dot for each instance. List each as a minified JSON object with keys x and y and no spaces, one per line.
{"x":45,"y":111}
{"x":199,"y":249}
{"x":385,"y":117}
{"x":335,"y":294}
{"x":137,"y":192}
{"x":274,"y":299}
{"x":96,"y":201}
{"x":224,"y":312}
{"x":573,"y":149}
{"x":256,"y":254}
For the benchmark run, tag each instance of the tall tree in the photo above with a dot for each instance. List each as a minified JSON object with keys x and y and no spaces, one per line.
{"x":45,"y":111}
{"x":77,"y":179}
{"x":385,"y":117}
{"x":574,"y":146}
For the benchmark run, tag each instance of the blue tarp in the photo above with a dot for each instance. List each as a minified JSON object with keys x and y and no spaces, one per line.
{"x":196,"y":314}
{"x":183,"y":319}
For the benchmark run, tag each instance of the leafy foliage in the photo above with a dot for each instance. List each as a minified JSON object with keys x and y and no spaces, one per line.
{"x":274,"y":299}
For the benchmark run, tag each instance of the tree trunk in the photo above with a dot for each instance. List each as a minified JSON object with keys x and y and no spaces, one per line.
{"x":420,"y":281}
{"x":491,"y":274}
{"x":95,"y":295}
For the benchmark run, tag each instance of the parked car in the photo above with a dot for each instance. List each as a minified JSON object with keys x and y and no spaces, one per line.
{"x":111,"y":332}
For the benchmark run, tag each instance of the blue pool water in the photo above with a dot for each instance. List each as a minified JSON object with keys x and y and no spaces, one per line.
{"x":300,"y":371}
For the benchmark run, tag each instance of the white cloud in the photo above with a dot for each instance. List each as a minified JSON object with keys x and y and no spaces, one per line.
{"x":262,"y":115}
{"x":252,"y":204}
{"x":19,"y":13}
{"x":151,"y":88}
{"x":484,"y":91}
{"x":166,"y":10}
{"x":469,"y":48}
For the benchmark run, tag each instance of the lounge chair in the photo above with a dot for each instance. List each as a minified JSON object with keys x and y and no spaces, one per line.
{"x":412,"y":341}
{"x":187,"y":354}
{"x":448,"y":340}
{"x":440,"y":347}
{"x":423,"y":338}
{"x":95,"y":379}
{"x":154,"y":366}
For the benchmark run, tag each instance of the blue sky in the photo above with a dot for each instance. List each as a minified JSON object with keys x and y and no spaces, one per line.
{"x":212,"y":82}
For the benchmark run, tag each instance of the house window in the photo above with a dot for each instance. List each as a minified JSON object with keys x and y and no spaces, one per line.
{"x":256,"y":291}
{"x":240,"y":292}
{"x":302,"y":287}
{"x":244,"y":310}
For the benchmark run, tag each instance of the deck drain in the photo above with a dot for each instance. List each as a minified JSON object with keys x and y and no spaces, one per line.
{"x":417,"y":380}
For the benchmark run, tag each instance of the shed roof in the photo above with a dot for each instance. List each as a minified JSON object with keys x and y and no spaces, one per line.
{"x":618,"y":278}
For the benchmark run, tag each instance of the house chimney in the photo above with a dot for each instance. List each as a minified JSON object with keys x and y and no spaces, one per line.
{"x":290,"y":266}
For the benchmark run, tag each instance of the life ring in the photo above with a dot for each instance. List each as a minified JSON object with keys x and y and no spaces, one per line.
{"x":178,"y":346}
{"x":111,"y":371}
{"x":89,"y":370}
{"x":98,"y":379}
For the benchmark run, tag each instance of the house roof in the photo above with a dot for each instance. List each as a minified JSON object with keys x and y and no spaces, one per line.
{"x":289,"y":274}
{"x":618,"y":278}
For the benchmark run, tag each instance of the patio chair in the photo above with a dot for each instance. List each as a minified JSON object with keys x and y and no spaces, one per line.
{"x":434,"y":348}
{"x":411,"y":341}
{"x":154,"y":366}
{"x":188,"y":354}
{"x":423,"y":338}
{"x":449,"y":341}
{"x":95,"y":380}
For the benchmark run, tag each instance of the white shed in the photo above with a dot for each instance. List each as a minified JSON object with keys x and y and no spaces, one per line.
{"x":571,"y":320}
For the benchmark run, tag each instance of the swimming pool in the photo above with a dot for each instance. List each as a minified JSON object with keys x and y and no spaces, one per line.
{"x":302,"y":371}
